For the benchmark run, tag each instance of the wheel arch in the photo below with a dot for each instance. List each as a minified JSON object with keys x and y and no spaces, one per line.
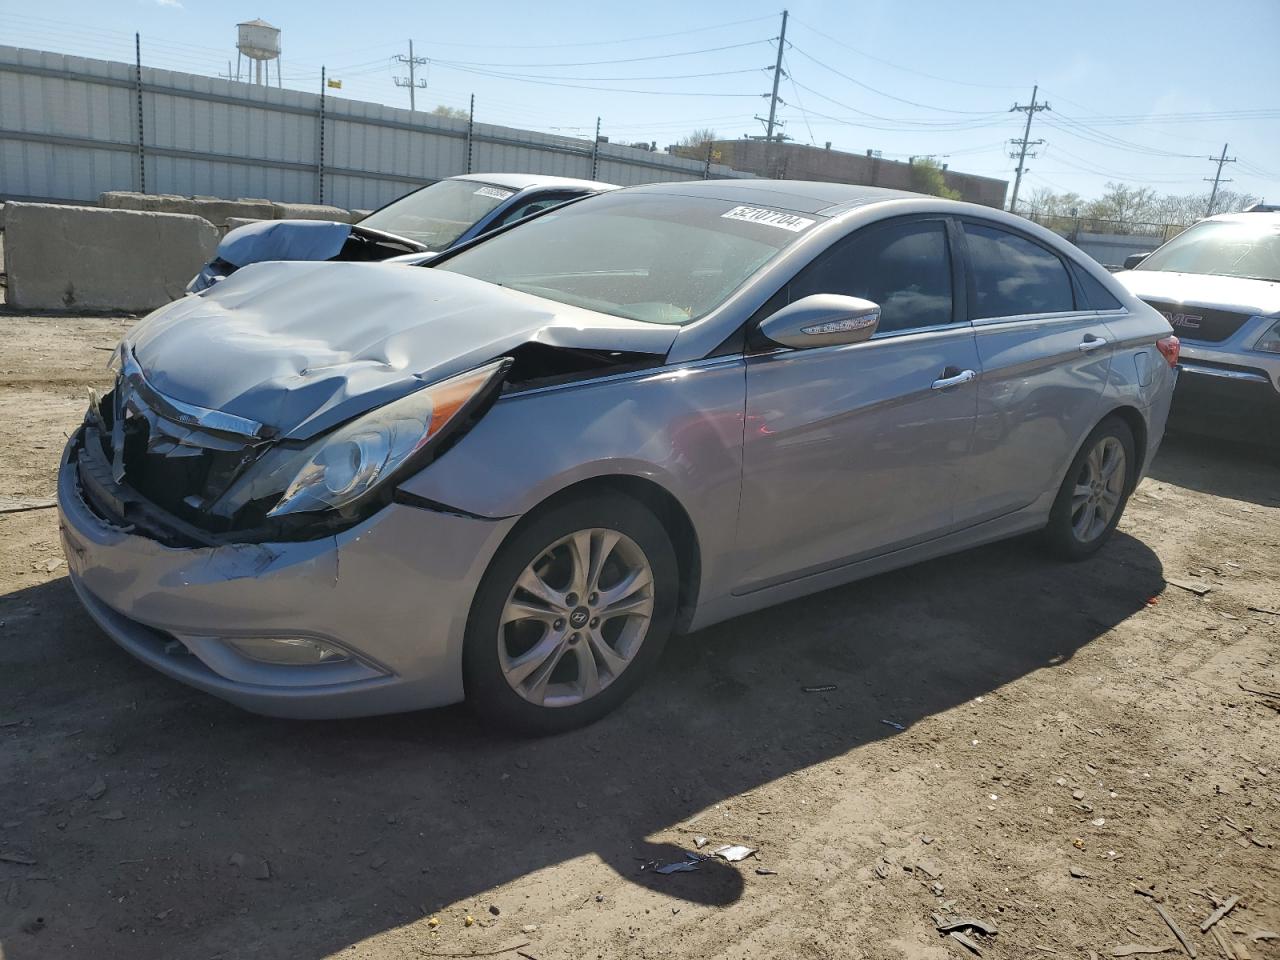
{"x":664,"y":505}
{"x":1132,"y":418}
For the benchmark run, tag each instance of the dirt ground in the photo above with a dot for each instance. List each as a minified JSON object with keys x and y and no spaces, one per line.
{"x":1007,"y":738}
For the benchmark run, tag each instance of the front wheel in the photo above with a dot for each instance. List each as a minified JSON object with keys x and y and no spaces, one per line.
{"x":573,"y":612}
{"x":1094,"y":493}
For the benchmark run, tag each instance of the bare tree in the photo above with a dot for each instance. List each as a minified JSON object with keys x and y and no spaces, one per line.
{"x":699,"y":138}
{"x":453,"y":113}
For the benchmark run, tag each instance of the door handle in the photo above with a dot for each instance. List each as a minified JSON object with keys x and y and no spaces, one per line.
{"x":1090,"y":342}
{"x":951,"y":379}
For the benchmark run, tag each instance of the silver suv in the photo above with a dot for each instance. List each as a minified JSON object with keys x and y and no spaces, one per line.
{"x":1218,"y":285}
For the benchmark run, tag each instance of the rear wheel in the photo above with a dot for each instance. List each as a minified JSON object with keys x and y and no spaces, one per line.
{"x":1094,"y":492}
{"x":572,"y":613}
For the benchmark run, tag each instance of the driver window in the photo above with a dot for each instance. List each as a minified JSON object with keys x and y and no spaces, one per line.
{"x":904,"y":267}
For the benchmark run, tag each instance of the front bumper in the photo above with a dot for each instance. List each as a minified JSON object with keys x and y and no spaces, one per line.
{"x":1225,"y":396}
{"x":394,"y":592}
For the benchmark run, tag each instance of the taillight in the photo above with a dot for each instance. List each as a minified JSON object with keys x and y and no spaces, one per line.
{"x":1170,"y":347}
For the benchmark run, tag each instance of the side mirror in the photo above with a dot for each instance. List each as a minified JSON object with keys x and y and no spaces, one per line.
{"x":822,"y":320}
{"x":1133,"y":259}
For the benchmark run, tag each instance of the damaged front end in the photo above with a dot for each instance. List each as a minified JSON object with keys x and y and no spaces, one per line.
{"x":187,"y":476}
{"x":307,"y":240}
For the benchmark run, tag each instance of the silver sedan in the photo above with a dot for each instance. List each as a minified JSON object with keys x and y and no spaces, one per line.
{"x":332,"y":489}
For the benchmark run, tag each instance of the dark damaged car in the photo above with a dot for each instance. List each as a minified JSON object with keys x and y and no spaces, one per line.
{"x":415,"y":227}
{"x":330,"y":489}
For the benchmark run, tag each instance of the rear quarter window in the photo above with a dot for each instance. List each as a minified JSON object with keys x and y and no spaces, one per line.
{"x":1097,"y":297}
{"x":1013,"y":275}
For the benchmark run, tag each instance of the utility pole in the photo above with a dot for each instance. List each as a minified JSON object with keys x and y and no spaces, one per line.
{"x":1217,"y":177}
{"x":412,"y":83}
{"x":777,"y":77}
{"x":1025,"y":142}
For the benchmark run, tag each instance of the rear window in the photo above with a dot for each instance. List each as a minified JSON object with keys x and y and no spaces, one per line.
{"x":651,"y":257}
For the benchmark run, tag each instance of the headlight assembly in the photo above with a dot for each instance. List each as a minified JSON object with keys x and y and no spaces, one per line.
{"x":384,"y":444}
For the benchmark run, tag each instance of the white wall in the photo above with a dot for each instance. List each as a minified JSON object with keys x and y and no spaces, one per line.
{"x":69,"y":131}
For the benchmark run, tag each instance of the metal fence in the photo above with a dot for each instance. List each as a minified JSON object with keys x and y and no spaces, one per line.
{"x":1071,"y":227}
{"x":1110,"y":241}
{"x":72,"y":128}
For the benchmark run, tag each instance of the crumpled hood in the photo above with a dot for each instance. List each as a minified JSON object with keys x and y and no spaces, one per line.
{"x":1236,"y":294}
{"x":303,"y":347}
{"x":283,"y":240}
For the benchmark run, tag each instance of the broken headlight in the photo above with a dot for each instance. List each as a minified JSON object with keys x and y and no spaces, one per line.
{"x":345,"y":465}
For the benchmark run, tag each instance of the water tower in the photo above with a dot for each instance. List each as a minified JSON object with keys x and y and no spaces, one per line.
{"x":260,"y":42}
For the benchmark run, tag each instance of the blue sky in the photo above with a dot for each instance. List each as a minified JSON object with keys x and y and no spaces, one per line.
{"x":1140,"y":92}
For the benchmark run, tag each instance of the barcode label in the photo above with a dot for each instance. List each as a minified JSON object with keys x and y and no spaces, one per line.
{"x":494,"y":193}
{"x":769,"y":218}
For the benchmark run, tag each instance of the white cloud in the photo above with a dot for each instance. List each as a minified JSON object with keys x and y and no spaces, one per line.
{"x":169,"y":3}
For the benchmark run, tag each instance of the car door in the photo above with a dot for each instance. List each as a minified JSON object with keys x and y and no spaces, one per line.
{"x":855,"y":450}
{"x":1044,"y":356}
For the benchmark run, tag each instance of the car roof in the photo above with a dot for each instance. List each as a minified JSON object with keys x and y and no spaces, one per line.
{"x":803,"y":196}
{"x":1255,"y":216}
{"x":524,"y":181}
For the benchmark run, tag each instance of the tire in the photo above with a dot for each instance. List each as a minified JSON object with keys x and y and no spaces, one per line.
{"x":523,"y":669}
{"x":1073,"y":531}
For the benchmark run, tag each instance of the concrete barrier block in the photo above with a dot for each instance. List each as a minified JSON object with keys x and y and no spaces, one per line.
{"x":218,"y":211}
{"x":89,"y":258}
{"x":358,"y":215}
{"x":233,"y":222}
{"x":155,"y":202}
{"x":310,"y":211}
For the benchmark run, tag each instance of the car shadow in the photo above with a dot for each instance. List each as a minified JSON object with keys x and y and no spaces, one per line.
{"x":1222,"y":468}
{"x":368,"y":824}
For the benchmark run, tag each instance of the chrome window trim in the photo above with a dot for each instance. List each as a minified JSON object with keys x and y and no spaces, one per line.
{"x":1056,"y":317}
{"x":937,"y":331}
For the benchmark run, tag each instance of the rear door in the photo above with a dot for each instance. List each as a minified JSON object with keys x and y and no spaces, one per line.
{"x":852,"y":451}
{"x":1044,"y":355}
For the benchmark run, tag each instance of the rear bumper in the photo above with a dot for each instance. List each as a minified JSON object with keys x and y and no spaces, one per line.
{"x":394,"y":592}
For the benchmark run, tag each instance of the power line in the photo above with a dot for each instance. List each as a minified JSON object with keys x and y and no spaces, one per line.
{"x":1030,"y":110}
{"x":596,"y":63}
{"x":890,"y":96}
{"x":601,"y":43}
{"x":898,"y":66}
{"x":800,"y":106}
{"x":578,"y":86}
{"x":669,"y":76}
{"x":901,"y":124}
{"x":1217,"y":177}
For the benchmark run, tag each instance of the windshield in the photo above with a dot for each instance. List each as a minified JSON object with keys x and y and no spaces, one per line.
{"x":645,"y":256}
{"x":437,"y":215}
{"x":1227,"y":248}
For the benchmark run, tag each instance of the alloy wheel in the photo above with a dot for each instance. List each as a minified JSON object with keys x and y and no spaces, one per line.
{"x":1099,"y":489}
{"x":576,"y":617}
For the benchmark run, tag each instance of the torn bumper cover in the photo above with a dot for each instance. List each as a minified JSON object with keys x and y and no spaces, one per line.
{"x":391,"y":595}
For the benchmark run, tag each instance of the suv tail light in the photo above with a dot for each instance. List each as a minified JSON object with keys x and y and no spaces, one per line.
{"x":1170,"y":347}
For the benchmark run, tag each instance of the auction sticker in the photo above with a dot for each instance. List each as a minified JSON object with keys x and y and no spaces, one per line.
{"x":768,"y":218}
{"x":494,"y":193}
